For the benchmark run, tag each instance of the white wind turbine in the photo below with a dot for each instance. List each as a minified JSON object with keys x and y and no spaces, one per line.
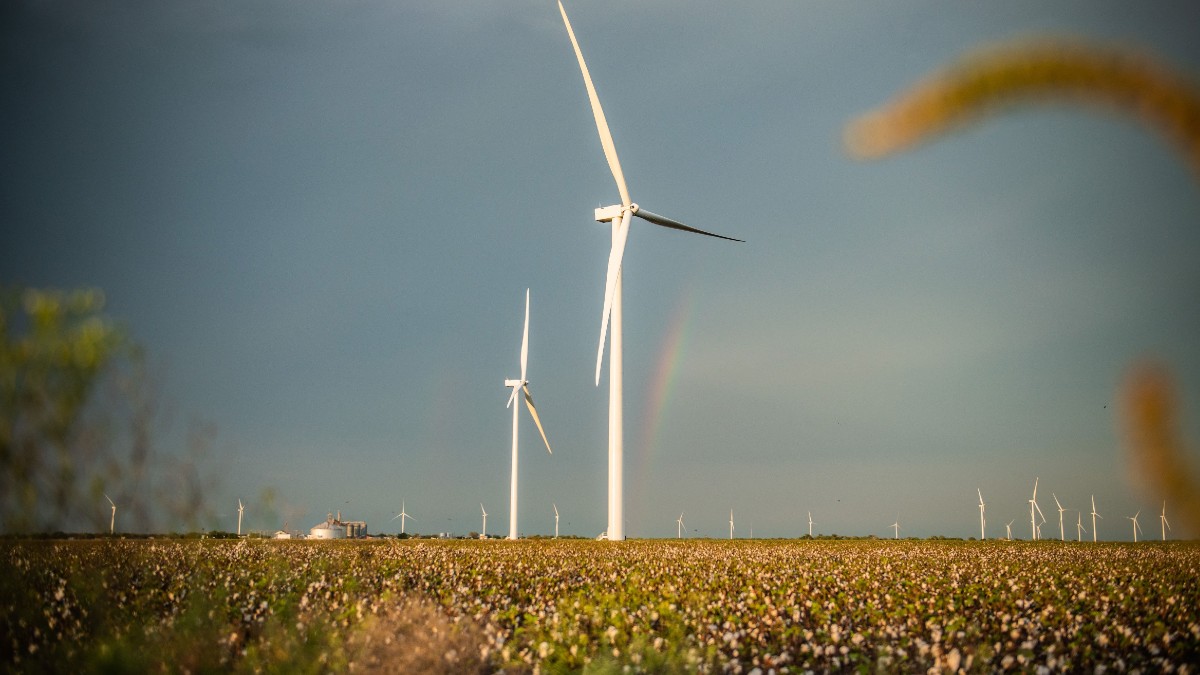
{"x":403,"y":516}
{"x":521,"y":386}
{"x":1062,"y":536}
{"x":1033,"y":524}
{"x":1094,"y":517}
{"x":241,"y":508}
{"x":619,"y":216}
{"x":112,"y":524}
{"x":555,"y":519}
{"x":1008,"y":529}
{"x":810,"y":524}
{"x":679,"y":526}
{"x":1136,"y":527}
{"x":483,"y":534}
{"x":896,"y":526}
{"x":982,"y":520}
{"x":731,"y":523}
{"x":1165,"y":525}
{"x":1079,"y":530}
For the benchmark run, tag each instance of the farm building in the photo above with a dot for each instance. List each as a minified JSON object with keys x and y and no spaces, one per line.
{"x":336,"y":528}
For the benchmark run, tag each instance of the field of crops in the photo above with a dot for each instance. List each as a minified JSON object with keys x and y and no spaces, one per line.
{"x":562,"y":606}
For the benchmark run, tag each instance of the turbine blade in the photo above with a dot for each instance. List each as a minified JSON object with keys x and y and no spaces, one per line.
{"x":606,"y":141}
{"x":536,"y":420}
{"x":512,"y":397}
{"x":110,"y":501}
{"x":610,"y":285}
{"x":396,"y":516}
{"x":525,"y":339}
{"x":676,"y":225}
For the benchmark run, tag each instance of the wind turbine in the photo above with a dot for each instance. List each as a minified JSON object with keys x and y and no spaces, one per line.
{"x":483,"y":535}
{"x":241,"y":508}
{"x":1079,"y":526}
{"x":1061,"y":534}
{"x":521,"y":385}
{"x":1136,"y":527}
{"x":982,"y":520}
{"x":1094,"y":517}
{"x":555,"y":519}
{"x":731,"y":523}
{"x":619,"y":216}
{"x":1033,"y":524}
{"x":896,"y":527}
{"x":679,"y":526}
{"x":810,"y":524}
{"x":403,"y":516}
{"x":112,"y":524}
{"x":1008,"y":528}
{"x":1165,"y":525}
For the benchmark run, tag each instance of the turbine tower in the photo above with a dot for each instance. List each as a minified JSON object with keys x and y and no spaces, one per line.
{"x":982,"y":520}
{"x":1033,"y":524}
{"x":896,"y":526}
{"x":112,"y":523}
{"x":403,"y":516}
{"x":241,"y":507}
{"x":679,"y":526}
{"x":521,"y":386}
{"x":483,"y":534}
{"x":1079,"y":526}
{"x":1008,"y":528}
{"x":1094,"y":517}
{"x":1136,"y":527}
{"x":619,"y":216}
{"x":555,"y":519}
{"x":1165,"y":525}
{"x":1062,"y":536}
{"x":810,"y":524}
{"x":731,"y":523}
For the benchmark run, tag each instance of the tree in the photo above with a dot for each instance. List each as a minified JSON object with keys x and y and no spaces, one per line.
{"x":55,"y":346}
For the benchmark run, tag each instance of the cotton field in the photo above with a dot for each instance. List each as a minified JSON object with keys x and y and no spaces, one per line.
{"x":568,"y":605}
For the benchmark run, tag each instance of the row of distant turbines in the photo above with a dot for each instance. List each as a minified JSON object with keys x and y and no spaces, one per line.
{"x":1035,"y":512}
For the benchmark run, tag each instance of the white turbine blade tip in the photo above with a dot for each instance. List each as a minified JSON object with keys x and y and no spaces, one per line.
{"x":606,"y":141}
{"x":536,"y":420}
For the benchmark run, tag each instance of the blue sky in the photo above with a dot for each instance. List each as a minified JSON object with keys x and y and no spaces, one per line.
{"x":320,"y":219}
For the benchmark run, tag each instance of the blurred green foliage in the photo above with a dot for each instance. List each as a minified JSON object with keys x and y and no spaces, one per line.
{"x":55,"y":347}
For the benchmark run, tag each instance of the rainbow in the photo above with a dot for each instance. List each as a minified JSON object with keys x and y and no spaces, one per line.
{"x":670,"y":353}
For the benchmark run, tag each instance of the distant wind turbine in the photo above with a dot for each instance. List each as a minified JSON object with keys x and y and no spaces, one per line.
{"x":1165,"y":525}
{"x":483,"y":534}
{"x":555,"y":519}
{"x":403,"y":516}
{"x":896,"y":527}
{"x":1136,"y":527}
{"x":620,"y":216}
{"x":810,"y":524}
{"x":519,"y":386}
{"x":1033,"y":524}
{"x":112,"y":523}
{"x":1094,"y":517}
{"x":241,"y":508}
{"x":982,"y":520}
{"x":1079,"y":529}
{"x":1008,"y":528}
{"x":1062,"y":536}
{"x":731,"y":523}
{"x":679,"y":526}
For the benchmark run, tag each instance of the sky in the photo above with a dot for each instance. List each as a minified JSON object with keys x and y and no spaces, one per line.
{"x":320,"y":218}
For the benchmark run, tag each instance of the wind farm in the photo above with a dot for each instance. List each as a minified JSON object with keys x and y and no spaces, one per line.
{"x":274,"y":258}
